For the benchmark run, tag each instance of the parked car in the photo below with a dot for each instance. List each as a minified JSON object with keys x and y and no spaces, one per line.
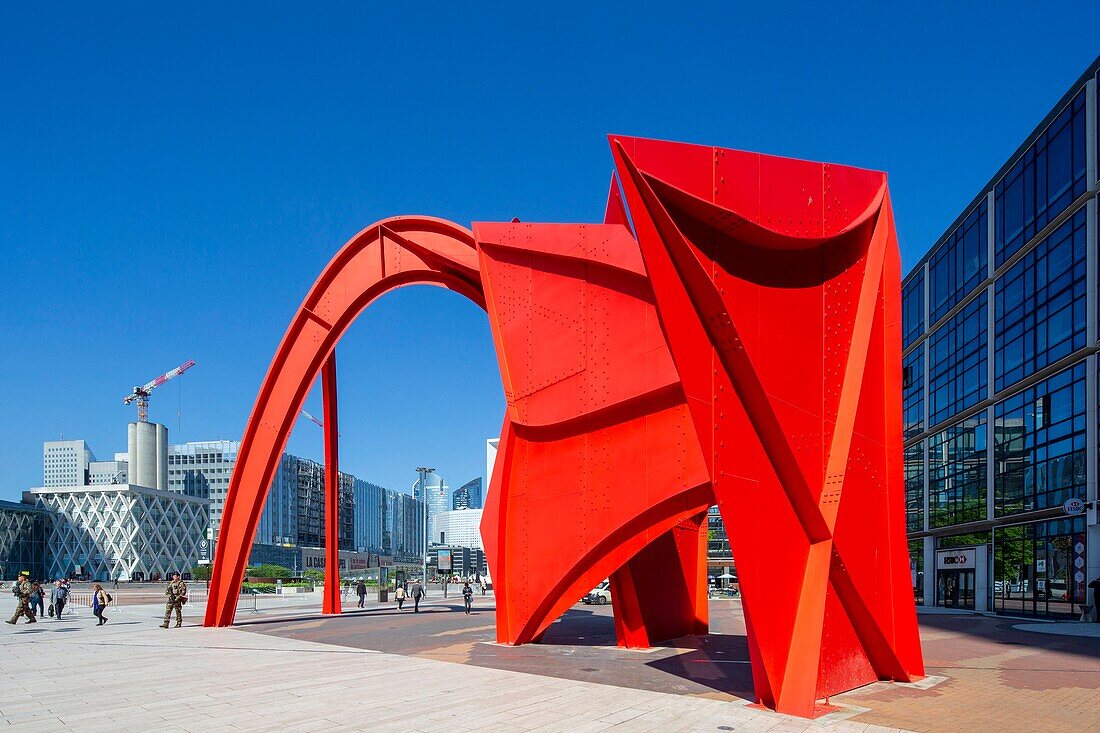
{"x":600,"y":595}
{"x":1058,"y":589}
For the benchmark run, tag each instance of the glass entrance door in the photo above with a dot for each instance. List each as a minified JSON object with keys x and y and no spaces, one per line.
{"x":955,"y":589}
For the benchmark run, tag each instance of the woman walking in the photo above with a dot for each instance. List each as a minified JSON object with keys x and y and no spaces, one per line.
{"x":399,"y":594}
{"x":467,"y":596}
{"x":100,"y":600}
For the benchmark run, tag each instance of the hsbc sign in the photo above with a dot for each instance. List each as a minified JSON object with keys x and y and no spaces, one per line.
{"x":956,"y":559}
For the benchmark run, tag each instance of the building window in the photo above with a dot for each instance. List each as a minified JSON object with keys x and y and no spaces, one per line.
{"x":1043,"y":182}
{"x":912,"y":309}
{"x":912,"y":371}
{"x":914,"y":487}
{"x":1039,"y":445}
{"x":1041,"y":304}
{"x":956,"y":473}
{"x":957,"y":377}
{"x":1038,"y":568}
{"x":959,"y":264}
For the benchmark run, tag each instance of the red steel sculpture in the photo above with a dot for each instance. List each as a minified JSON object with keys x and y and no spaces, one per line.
{"x":735,"y":341}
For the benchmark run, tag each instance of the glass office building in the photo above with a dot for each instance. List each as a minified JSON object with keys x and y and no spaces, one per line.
{"x":23,"y":532}
{"x":1000,"y":334}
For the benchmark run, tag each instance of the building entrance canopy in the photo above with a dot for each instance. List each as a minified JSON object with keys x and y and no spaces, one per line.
{"x":734,"y":340}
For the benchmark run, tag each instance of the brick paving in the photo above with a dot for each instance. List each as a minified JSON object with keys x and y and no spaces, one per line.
{"x":998,"y":677}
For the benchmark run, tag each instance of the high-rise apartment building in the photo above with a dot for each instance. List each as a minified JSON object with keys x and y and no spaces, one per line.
{"x":1000,"y":340}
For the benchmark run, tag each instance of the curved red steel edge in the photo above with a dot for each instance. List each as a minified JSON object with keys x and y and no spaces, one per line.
{"x":384,"y":256}
{"x":744,"y":349}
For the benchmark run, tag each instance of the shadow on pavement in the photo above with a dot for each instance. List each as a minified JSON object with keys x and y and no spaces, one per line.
{"x":292,"y":617}
{"x":719,"y":662}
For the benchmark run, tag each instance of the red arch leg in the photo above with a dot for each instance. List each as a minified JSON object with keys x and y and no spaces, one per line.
{"x":331,"y":601}
{"x":660,"y":593}
{"x":383,"y":257}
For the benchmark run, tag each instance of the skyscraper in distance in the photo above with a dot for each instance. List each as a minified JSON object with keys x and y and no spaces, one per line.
{"x":468,"y":496}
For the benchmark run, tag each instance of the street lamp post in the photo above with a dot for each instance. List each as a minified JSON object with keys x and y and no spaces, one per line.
{"x":424,"y":498}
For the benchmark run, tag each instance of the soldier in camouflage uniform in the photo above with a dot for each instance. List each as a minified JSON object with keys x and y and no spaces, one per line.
{"x":23,"y":606}
{"x":177,"y":596}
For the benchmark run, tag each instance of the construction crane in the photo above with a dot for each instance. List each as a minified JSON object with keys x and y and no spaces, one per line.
{"x":141,"y":394}
{"x":314,"y":420}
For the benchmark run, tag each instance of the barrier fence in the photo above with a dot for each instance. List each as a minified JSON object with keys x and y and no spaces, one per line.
{"x":79,"y":603}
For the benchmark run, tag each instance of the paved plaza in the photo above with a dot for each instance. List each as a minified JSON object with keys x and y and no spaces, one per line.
{"x":286,"y":667}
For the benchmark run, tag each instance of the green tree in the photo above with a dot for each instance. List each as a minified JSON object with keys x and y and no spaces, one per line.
{"x":200,"y":572}
{"x":270,"y":571}
{"x":313,"y":574}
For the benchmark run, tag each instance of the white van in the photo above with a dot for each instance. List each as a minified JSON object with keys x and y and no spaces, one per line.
{"x":600,"y":595}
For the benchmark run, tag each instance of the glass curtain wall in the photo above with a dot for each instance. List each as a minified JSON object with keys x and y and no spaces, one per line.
{"x":1038,"y":568}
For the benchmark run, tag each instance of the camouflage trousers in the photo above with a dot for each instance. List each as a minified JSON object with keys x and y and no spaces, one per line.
{"x":168,"y":611}
{"x":23,"y":608}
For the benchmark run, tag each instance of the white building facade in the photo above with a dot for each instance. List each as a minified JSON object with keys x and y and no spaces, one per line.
{"x":459,"y":528}
{"x":123,"y":532}
{"x":65,"y":462}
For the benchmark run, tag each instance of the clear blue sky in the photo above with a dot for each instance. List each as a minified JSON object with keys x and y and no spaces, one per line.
{"x":171,"y":181}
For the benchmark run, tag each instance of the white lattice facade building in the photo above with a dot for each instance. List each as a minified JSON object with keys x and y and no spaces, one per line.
{"x":121,"y":532}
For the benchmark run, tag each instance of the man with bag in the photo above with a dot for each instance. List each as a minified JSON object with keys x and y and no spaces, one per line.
{"x":177,"y":596}
{"x":22,"y":591}
{"x":60,"y":597}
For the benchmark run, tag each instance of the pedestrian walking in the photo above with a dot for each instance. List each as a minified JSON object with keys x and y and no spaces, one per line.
{"x":399,"y":594}
{"x":38,"y":599}
{"x":21,"y":589}
{"x":467,"y":596}
{"x":361,"y":591}
{"x":60,"y":596}
{"x":417,"y":593}
{"x":100,"y":599}
{"x":483,"y":586}
{"x":177,"y":596}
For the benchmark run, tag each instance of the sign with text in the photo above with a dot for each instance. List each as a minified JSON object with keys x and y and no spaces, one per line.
{"x":956,"y":559}
{"x":1074,"y":506}
{"x":204,"y":551}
